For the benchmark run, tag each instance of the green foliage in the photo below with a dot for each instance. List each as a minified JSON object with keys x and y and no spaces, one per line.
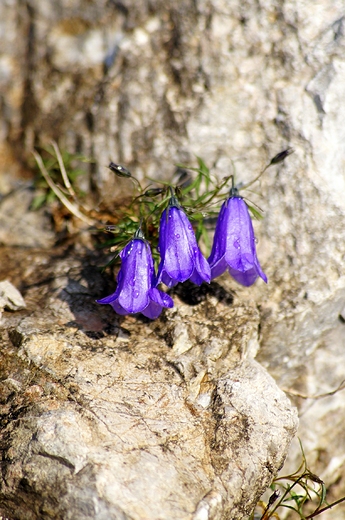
{"x":302,"y":492}
{"x":44,"y":194}
{"x":199,"y":194}
{"x":196,"y":195}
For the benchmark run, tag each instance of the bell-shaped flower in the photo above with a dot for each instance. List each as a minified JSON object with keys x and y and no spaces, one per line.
{"x":181,"y":258}
{"x":234,"y":243}
{"x":136,"y":291}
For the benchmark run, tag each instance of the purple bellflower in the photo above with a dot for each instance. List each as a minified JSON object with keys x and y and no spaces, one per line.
{"x":136,"y":291}
{"x":234,"y":243}
{"x":181,"y":258}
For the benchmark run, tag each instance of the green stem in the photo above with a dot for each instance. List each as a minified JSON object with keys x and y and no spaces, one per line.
{"x":318,"y":512}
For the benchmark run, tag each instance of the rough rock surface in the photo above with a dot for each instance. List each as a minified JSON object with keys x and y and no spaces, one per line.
{"x":19,"y":226}
{"x":106,"y":417}
{"x":150,"y":85}
{"x":10,"y":297}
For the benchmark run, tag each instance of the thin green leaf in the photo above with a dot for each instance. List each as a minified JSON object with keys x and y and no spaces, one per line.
{"x":255,"y":212}
{"x":38,"y":201}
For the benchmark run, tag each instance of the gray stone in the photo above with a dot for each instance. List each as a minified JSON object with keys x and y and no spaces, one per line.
{"x":235,"y":84}
{"x":122,"y":425}
{"x":10,"y":297}
{"x":19,"y":226}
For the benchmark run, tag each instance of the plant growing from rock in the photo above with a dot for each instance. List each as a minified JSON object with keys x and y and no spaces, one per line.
{"x":301,"y":492}
{"x":159,"y":219}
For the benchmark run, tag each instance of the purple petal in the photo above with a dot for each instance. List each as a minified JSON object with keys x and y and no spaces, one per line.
{"x":196,"y":278}
{"x":218,"y":268}
{"x":162,"y":233}
{"x":167,"y":280}
{"x":117,"y":308}
{"x":219,"y":241}
{"x":134,"y":279}
{"x":158,"y":300}
{"x":259,"y":270}
{"x":136,"y":269}
{"x":152,"y":311}
{"x":239,"y":261}
{"x":180,"y":241}
{"x":202,"y":271}
{"x":134,"y":292}
{"x":244,"y":278}
{"x":162,"y":247}
{"x":161,"y":298}
{"x":181,"y":257}
{"x":108,"y":299}
{"x":240,"y":250}
{"x":234,"y":244}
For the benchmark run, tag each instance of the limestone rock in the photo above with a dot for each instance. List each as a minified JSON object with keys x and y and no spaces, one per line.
{"x":151,"y":85}
{"x":19,"y":225}
{"x":10,"y":297}
{"x":120,"y":422}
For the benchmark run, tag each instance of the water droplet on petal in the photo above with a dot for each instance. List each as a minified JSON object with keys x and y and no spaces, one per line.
{"x":236,"y":244}
{"x":256,"y":240}
{"x":177,"y":235}
{"x":190,"y":227}
{"x":136,"y":294}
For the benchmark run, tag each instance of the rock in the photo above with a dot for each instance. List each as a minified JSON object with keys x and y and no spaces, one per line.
{"x":10,"y":297}
{"x":120,"y":422}
{"x":19,"y":225}
{"x":234,"y":84}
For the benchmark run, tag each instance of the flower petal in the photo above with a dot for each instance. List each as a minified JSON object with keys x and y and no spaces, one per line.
{"x":158,"y":300}
{"x":259,"y":270}
{"x":218,"y":268}
{"x":246,"y":278}
{"x":112,"y":297}
{"x":237,"y":261}
{"x":162,"y":233}
{"x":108,"y":299}
{"x":152,"y":311}
{"x":234,"y":244}
{"x":178,"y":260}
{"x":181,"y":258}
{"x":167,"y":280}
{"x":134,"y":279}
{"x":136,"y":269}
{"x":219,"y":240}
{"x":202,"y":272}
{"x":135,"y":291}
{"x":240,"y":243}
{"x":161,"y":298}
{"x":117,"y":308}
